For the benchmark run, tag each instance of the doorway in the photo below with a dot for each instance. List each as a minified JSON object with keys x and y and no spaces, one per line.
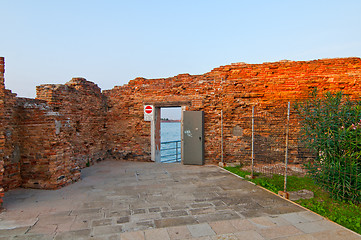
{"x":191,"y":124}
{"x":170,"y":134}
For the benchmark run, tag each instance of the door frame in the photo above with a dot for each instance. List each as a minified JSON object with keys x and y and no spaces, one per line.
{"x":155,"y":125}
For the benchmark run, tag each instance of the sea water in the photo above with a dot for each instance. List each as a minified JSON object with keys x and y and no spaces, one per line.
{"x":170,"y":131}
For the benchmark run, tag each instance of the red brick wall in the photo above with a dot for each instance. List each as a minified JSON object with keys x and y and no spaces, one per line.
{"x":2,"y":130}
{"x":233,"y":88}
{"x":83,"y":108}
{"x":12,"y":177}
{"x":46,"y":141}
{"x":37,"y":130}
{"x":9,"y":148}
{"x":62,"y":131}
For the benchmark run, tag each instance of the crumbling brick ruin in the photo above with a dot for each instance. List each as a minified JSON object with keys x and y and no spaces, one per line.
{"x":46,"y":141}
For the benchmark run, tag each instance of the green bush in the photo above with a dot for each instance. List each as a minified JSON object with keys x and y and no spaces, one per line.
{"x":331,"y":127}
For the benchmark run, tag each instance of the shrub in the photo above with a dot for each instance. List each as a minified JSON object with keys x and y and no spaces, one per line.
{"x":331,"y":128}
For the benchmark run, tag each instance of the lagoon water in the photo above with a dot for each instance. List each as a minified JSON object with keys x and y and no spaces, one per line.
{"x":170,"y":131}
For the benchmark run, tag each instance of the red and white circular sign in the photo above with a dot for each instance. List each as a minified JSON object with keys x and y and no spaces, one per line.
{"x":148,"y":109}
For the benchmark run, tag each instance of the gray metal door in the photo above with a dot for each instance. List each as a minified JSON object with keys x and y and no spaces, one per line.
{"x":193,"y":138}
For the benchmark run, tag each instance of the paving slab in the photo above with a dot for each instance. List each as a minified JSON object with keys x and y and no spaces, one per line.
{"x":13,"y":231}
{"x":79,"y":234}
{"x":119,"y":200}
{"x":33,"y":237}
{"x":295,"y":218}
{"x":249,"y":235}
{"x":316,"y":226}
{"x":102,"y":230}
{"x":229,"y":236}
{"x":242,"y":225}
{"x":179,"y":232}
{"x":300,"y":237}
{"x":132,"y":236}
{"x":201,"y":230}
{"x":156,"y":234}
{"x":178,"y":221}
{"x":279,"y":231}
{"x":222,"y":227}
{"x":334,"y":235}
{"x":11,"y":224}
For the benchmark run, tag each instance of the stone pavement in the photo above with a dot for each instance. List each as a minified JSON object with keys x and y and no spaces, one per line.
{"x":132,"y":200}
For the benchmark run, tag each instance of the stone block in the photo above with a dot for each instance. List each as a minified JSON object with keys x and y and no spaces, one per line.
{"x":156,"y":234}
{"x":74,"y":235}
{"x":177,"y":221}
{"x":174,"y":214}
{"x":139,"y":235}
{"x":279,"y":231}
{"x":223,"y":227}
{"x":201,"y":230}
{"x":178,"y":232}
{"x":249,"y":235}
{"x":316,"y":226}
{"x":102,"y":230}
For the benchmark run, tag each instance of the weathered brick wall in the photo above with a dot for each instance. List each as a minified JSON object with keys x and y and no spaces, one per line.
{"x":80,"y":125}
{"x":2,"y":130}
{"x":12,"y":177}
{"x":46,"y":141}
{"x":9,"y":149}
{"x":128,"y":133}
{"x":233,"y":89}
{"x":36,"y":126}
{"x":61,"y":132}
{"x":270,"y":86}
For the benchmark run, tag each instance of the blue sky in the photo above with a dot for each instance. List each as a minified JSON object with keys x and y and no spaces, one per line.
{"x":112,"y":42}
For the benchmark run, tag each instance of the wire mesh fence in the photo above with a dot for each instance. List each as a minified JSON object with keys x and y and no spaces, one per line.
{"x":269,"y":141}
{"x":275,"y":147}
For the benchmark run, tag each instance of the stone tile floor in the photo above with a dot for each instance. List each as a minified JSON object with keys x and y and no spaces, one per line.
{"x":132,"y":200}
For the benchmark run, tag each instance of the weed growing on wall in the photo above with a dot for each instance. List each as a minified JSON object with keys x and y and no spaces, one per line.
{"x":331,"y":127}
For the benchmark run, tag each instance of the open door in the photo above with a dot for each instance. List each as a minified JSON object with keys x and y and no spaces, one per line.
{"x":193,"y":138}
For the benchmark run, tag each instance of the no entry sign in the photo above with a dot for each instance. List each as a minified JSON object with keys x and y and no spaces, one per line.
{"x":148,"y":113}
{"x":148,"y":109}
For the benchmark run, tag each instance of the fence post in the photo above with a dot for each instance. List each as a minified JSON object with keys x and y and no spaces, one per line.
{"x":222,"y":160}
{"x":286,"y":153}
{"x":252,"y":141}
{"x":176,"y":151}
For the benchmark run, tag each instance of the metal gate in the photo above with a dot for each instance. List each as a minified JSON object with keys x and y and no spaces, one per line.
{"x":193,"y":138}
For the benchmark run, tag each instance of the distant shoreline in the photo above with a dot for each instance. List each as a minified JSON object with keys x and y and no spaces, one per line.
{"x":170,"y":121}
